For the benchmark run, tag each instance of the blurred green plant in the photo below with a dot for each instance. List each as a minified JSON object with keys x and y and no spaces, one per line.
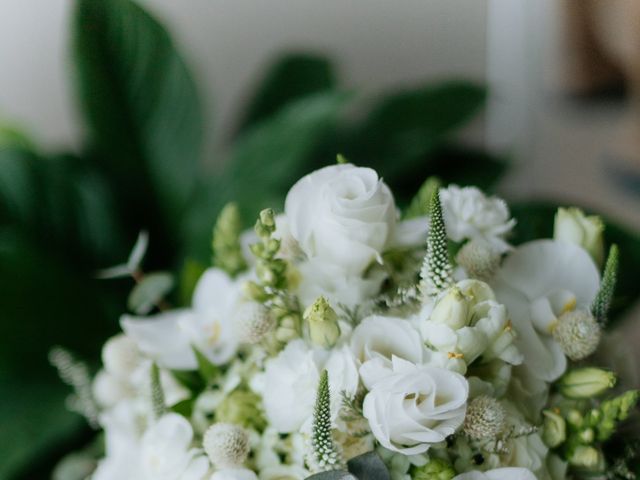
{"x":64,"y":216}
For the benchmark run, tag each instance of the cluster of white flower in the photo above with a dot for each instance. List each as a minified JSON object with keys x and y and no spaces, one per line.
{"x":448,"y":384}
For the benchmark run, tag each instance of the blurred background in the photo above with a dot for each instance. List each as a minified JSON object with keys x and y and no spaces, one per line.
{"x":112,"y":122}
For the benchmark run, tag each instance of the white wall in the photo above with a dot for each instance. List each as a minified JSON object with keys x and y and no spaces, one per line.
{"x":378,"y":43}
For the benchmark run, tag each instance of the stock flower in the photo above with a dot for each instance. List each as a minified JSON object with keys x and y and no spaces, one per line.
{"x":470,"y":215}
{"x":169,"y":337}
{"x":343,"y":215}
{"x":377,"y":340}
{"x":416,"y":407}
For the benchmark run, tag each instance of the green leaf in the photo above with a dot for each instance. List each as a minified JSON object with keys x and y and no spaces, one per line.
{"x":404,"y":127}
{"x":184,"y":407}
{"x":368,"y":466}
{"x":149,"y":292}
{"x":289,"y":78}
{"x":139,"y":101}
{"x":207,"y":370}
{"x":333,"y":475}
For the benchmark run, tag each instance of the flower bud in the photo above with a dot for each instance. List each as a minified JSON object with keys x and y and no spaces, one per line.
{"x":586,"y":382}
{"x":254,"y":291}
{"x":241,"y":407}
{"x":572,"y":225}
{"x":588,"y":458}
{"x":434,"y":469}
{"x":587,"y":435}
{"x":578,"y":334}
{"x":324,"y":330}
{"x":452,"y":309}
{"x":554,"y":429}
{"x":227,"y":445}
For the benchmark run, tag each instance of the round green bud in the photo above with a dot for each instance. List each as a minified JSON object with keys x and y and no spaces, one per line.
{"x":242,"y":407}
{"x":588,"y":458}
{"x":435,"y":469}
{"x":554,"y":429}
{"x":578,"y":334}
{"x":452,"y":309}
{"x":586,"y":382}
{"x":322,"y":320}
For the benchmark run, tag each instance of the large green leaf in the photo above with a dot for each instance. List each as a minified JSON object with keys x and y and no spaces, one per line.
{"x":140,"y":104}
{"x":535,"y":220}
{"x":402,"y":128}
{"x":264,"y":163}
{"x":289,"y":78}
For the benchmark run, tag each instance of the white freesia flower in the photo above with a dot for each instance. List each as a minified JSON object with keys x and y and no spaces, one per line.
{"x":416,"y":407}
{"x":470,"y":215}
{"x":234,"y":474}
{"x":169,"y":337}
{"x":538,"y":282}
{"x":377,"y":340}
{"x":573,"y":226}
{"x":508,"y":473}
{"x":166,"y":452}
{"x":468,"y":322}
{"x":342,"y":215}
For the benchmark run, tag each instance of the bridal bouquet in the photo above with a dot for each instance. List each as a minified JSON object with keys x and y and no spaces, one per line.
{"x":344,"y":339}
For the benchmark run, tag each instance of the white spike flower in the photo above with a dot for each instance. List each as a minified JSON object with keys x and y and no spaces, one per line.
{"x":227,"y":445}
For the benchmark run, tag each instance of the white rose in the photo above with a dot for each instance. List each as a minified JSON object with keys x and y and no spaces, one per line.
{"x":169,"y":337}
{"x":377,"y":340}
{"x":415,"y":407}
{"x":166,"y":452}
{"x":343,"y":215}
{"x":508,"y":473}
{"x":572,"y":225}
{"x":470,"y":215}
{"x":538,"y":282}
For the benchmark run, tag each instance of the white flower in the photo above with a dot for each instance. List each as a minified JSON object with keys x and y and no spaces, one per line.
{"x":291,"y":379}
{"x":169,"y":338}
{"x":284,"y":472}
{"x":166,"y":452}
{"x":415,"y":407}
{"x":334,"y":282}
{"x":538,"y":282}
{"x":343,"y":215}
{"x":470,"y":215}
{"x":573,"y":226}
{"x":234,"y":474}
{"x":376,"y":340}
{"x":509,"y":473}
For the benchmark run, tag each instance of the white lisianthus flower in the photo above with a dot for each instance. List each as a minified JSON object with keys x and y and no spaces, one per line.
{"x":342,"y":215}
{"x":508,"y":473}
{"x":470,"y":215}
{"x":377,"y":340}
{"x":538,"y":282}
{"x":169,"y":337}
{"x":166,"y":452}
{"x":416,"y":407}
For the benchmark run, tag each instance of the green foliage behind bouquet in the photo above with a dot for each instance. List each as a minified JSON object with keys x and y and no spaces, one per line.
{"x":64,"y":216}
